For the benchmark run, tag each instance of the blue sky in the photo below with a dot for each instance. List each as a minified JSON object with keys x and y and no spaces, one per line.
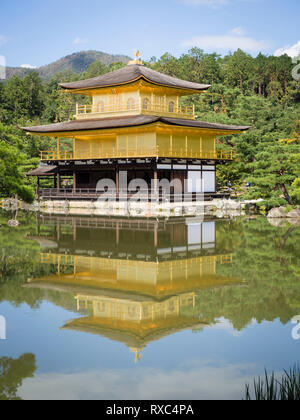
{"x":38,"y":32}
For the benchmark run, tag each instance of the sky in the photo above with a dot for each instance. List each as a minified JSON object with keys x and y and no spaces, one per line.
{"x":38,"y":32}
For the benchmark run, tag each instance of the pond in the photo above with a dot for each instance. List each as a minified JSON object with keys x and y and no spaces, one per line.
{"x":118,"y":308}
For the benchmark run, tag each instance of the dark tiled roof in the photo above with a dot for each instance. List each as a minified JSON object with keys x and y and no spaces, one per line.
{"x":131,"y":73}
{"x":132,"y":121}
{"x":93,"y":124}
{"x":43,"y":170}
{"x":204,"y":124}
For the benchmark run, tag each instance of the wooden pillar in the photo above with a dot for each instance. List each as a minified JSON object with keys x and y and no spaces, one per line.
{"x":155,"y":178}
{"x":58,"y":265}
{"x":74,"y":148}
{"x":186,"y":146}
{"x":201,"y":146}
{"x":74,"y":229}
{"x":215,"y":147}
{"x":216,"y":179}
{"x":58,"y":148}
{"x":58,"y":231}
{"x":117,"y":233}
{"x":38,"y":186}
{"x":155,"y":234}
{"x":117,"y":183}
{"x":58,"y":181}
{"x":74,"y":181}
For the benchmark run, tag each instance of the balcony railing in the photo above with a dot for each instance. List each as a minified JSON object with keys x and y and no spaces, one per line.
{"x":154,"y":152}
{"x":148,"y":195}
{"x":101,"y":110}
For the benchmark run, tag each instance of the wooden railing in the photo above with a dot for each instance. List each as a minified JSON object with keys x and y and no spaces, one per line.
{"x":155,"y":152}
{"x":101,"y":110}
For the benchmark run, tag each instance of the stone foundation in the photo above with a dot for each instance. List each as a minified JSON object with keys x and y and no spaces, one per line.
{"x":219,"y":208}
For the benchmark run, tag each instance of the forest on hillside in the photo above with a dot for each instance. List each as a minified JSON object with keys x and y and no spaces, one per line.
{"x":258,"y":91}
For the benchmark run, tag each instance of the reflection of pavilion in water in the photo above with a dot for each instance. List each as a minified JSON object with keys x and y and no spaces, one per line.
{"x":136,"y":280}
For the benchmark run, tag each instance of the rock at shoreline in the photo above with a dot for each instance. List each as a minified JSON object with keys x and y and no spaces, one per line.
{"x":294,"y":214}
{"x":13,"y":223}
{"x":277,"y":213}
{"x":277,"y":222}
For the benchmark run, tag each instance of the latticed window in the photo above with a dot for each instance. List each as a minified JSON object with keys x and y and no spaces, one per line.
{"x":146,"y":103}
{"x":130,"y":104}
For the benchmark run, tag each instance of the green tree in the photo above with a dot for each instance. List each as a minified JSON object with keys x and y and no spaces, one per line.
{"x":96,"y":69}
{"x":12,"y":171}
{"x":12,"y":374}
{"x":238,"y":68}
{"x":275,"y":169}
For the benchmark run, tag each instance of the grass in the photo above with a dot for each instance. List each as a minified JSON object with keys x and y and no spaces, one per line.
{"x":287,"y":388}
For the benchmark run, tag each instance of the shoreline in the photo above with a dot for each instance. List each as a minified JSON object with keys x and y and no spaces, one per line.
{"x":219,"y":208}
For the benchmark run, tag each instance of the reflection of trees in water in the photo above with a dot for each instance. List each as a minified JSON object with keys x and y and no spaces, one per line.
{"x":12,"y":374}
{"x":266,"y":258}
{"x":20,"y":260}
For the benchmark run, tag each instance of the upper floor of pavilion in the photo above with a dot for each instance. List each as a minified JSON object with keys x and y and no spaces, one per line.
{"x":134,"y":90}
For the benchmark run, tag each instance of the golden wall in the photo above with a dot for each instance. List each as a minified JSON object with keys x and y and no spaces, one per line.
{"x":144,"y":144}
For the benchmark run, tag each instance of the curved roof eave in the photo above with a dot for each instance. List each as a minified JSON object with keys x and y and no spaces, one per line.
{"x":131,"y":74}
{"x":128,"y":122}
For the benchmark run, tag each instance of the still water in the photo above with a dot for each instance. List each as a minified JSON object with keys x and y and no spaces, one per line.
{"x":112,"y":308}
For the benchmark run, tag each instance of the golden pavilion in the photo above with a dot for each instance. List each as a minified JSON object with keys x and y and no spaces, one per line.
{"x":136,"y":281}
{"x":135,"y":123}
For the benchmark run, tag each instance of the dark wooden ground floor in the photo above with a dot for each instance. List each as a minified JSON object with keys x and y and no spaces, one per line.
{"x":168,"y":179}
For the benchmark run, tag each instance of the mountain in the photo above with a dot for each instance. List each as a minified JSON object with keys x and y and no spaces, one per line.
{"x":76,"y":63}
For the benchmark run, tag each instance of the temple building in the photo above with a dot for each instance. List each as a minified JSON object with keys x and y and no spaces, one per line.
{"x":135,"y":123}
{"x":133,"y":281}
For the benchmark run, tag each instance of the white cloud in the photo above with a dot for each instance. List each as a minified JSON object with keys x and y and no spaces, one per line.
{"x":28,"y":66}
{"x":2,"y":68}
{"x":231,"y":41}
{"x":79,"y":40}
{"x":237,"y":31}
{"x":197,"y":381}
{"x":292,"y":51}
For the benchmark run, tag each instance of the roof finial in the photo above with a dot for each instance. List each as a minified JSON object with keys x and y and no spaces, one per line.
{"x":137,"y":352}
{"x":136,"y":54}
{"x":137,"y":59}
